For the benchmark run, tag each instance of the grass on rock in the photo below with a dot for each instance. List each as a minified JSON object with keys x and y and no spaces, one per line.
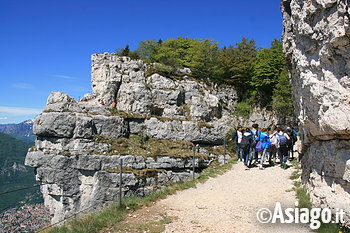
{"x":305,"y":201}
{"x":148,"y":147}
{"x":140,"y":173}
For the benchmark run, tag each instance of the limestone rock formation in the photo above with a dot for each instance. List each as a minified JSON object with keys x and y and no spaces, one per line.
{"x":148,"y":120}
{"x":316,"y":41}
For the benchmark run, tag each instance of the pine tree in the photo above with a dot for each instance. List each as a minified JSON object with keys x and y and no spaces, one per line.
{"x":282,"y":101}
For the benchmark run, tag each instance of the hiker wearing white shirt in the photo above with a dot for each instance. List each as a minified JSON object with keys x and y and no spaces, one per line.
{"x":273,"y":148}
{"x":237,"y":136}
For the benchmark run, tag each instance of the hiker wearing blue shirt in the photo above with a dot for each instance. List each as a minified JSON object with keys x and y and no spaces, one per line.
{"x":255,"y":134}
{"x":264,"y":140}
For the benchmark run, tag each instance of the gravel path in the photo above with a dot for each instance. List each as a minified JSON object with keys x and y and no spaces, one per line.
{"x":229,"y":203}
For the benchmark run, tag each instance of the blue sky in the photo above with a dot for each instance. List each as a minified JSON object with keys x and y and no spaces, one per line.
{"x":46,"y":45}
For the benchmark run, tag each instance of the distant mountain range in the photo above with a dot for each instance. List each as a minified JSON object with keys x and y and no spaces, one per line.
{"x":22,"y":131}
{"x":15,"y":140}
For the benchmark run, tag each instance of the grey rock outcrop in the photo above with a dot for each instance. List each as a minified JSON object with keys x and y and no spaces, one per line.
{"x":79,"y":125}
{"x":128,"y":83}
{"x":87,"y":182}
{"x":59,"y":97}
{"x":80,"y":143}
{"x":317,"y":45}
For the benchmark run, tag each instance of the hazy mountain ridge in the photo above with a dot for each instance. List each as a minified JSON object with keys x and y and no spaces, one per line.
{"x":22,"y":131}
{"x":13,"y":174}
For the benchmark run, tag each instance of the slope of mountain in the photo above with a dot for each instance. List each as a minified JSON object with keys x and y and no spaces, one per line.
{"x":22,"y":131}
{"x":13,"y":174}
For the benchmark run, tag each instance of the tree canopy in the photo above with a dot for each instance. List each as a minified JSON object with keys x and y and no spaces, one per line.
{"x":259,"y":74}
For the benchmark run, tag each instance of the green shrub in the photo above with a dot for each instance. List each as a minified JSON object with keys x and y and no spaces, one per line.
{"x":243,"y":109}
{"x":162,"y":70}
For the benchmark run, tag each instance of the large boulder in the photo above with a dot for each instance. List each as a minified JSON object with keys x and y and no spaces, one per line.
{"x":196,"y":132}
{"x":59,"y":97}
{"x":79,"y":125}
{"x":112,"y":126}
{"x":54,"y":124}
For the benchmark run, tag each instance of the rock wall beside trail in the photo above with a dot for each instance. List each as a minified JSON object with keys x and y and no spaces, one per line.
{"x":152,"y":127}
{"x":316,"y":41}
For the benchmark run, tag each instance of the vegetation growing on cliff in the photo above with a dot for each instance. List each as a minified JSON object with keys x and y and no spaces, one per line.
{"x":305,"y":201}
{"x":148,"y":147}
{"x":139,"y":173}
{"x":258,"y":74}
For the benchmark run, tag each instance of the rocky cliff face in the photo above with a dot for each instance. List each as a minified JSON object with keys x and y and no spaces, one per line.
{"x":317,"y":44}
{"x":148,"y":120}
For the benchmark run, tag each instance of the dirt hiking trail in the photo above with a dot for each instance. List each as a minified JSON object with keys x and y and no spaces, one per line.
{"x":227,"y":203}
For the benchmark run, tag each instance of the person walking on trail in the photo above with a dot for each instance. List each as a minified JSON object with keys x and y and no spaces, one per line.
{"x":246,"y":145}
{"x":282,"y":146}
{"x":273,"y":148}
{"x":293,"y":138}
{"x":264,"y":140}
{"x":255,"y":135}
{"x":237,"y":136}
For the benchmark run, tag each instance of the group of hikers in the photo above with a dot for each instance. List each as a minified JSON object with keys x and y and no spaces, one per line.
{"x":270,"y":143}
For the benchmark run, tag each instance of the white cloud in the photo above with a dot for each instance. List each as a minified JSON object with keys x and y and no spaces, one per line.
{"x":19,"y":111}
{"x":21,"y":85}
{"x":4,"y":118}
{"x":63,"y":76}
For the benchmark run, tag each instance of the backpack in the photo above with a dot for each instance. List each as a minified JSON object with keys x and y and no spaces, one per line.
{"x":254,"y":138}
{"x":258,"y":147}
{"x":245,"y":141}
{"x":282,"y":140}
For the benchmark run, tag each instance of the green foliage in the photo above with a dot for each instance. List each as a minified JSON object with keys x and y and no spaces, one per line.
{"x":331,"y":228}
{"x":127,"y":52}
{"x":266,"y":71}
{"x":148,"y":49}
{"x":236,"y":64}
{"x":161,"y":69}
{"x":297,"y":184}
{"x":12,"y":150}
{"x":204,"y":61}
{"x":282,"y":101}
{"x":201,"y":56}
{"x":259,"y":75}
{"x":295,"y":175}
{"x":243,"y":109}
